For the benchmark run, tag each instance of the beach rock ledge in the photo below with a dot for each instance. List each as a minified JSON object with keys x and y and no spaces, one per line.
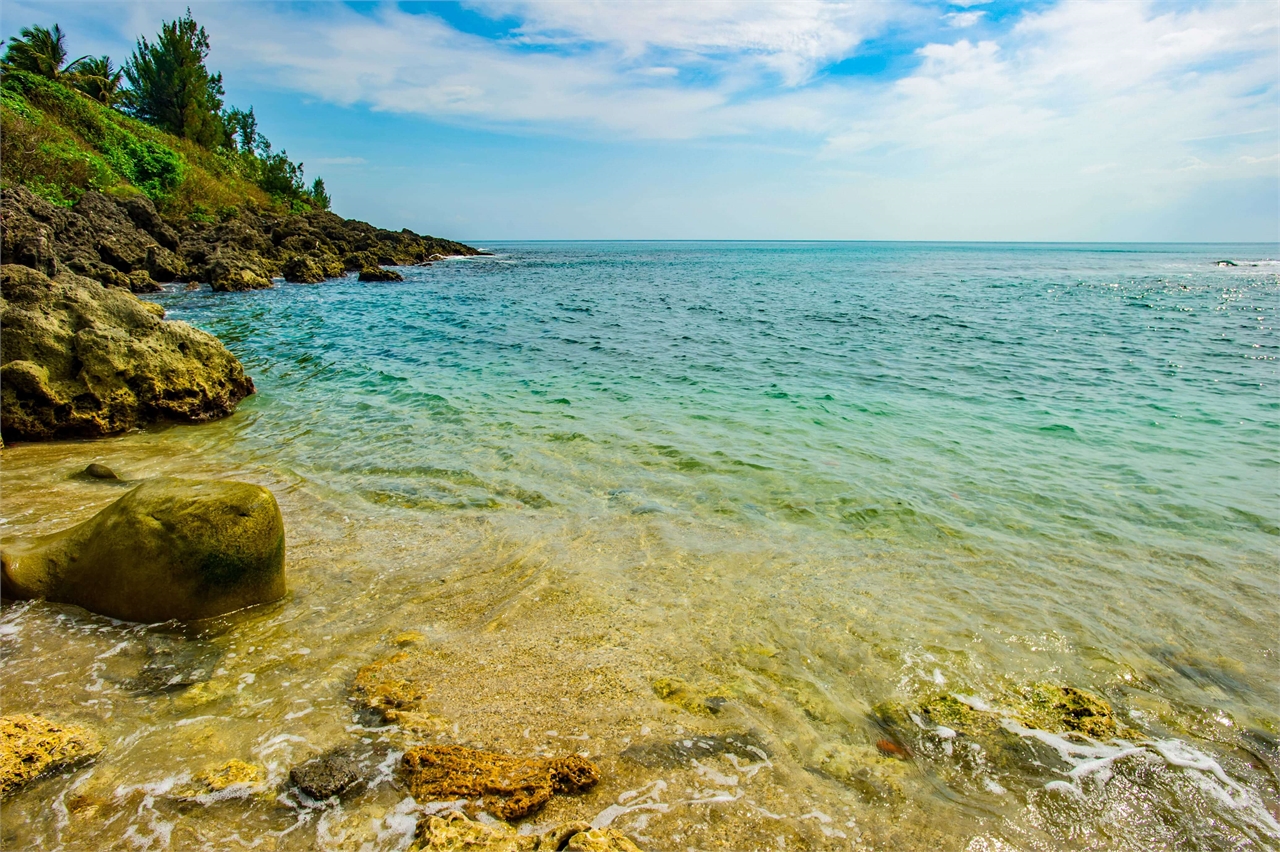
{"x":78,"y":359}
{"x":169,"y":549}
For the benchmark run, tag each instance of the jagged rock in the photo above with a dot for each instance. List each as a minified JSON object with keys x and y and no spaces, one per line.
{"x":144,"y":215}
{"x":327,"y":775}
{"x":375,"y":273}
{"x":31,"y":746}
{"x":508,"y":787}
{"x":140,"y":282}
{"x":301,"y":269}
{"x":80,"y":359}
{"x":453,"y":832}
{"x":169,"y":549}
{"x":236,"y":272}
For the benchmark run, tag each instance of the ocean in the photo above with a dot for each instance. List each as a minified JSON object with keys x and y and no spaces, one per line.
{"x":818,"y":487}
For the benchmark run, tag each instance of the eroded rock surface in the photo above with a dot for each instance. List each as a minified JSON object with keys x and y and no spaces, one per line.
{"x":453,"y":832}
{"x":32,"y":745}
{"x":508,"y":787}
{"x":78,"y":359}
{"x":169,"y":549}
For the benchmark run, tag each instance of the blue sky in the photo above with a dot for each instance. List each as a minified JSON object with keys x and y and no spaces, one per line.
{"x":752,"y":120}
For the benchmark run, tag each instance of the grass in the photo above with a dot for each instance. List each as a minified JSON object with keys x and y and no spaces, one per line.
{"x":60,"y":144}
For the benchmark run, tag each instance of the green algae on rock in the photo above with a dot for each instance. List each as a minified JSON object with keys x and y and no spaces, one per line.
{"x":83,"y":360}
{"x":376,"y":273}
{"x":453,"y":832}
{"x":169,"y":549}
{"x":509,"y":787}
{"x":31,"y":746}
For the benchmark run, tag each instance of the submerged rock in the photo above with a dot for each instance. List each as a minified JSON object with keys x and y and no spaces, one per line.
{"x":508,"y":787}
{"x":175,"y":663}
{"x":675,"y":691}
{"x":169,"y":549}
{"x":230,"y":780}
{"x":386,"y":696}
{"x":669,"y":754}
{"x":453,"y":832}
{"x":375,"y":273}
{"x":82,"y":360}
{"x":100,"y":471}
{"x":31,"y":746}
{"x":327,"y":775}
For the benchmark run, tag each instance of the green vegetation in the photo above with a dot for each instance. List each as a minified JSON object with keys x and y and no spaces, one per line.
{"x":71,"y":127}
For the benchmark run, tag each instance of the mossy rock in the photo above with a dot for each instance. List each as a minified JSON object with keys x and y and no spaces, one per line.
{"x":83,"y":360}
{"x":675,"y":691}
{"x":169,"y":549}
{"x":31,"y":746}
{"x":453,"y":832}
{"x":301,"y":269}
{"x":376,"y":273}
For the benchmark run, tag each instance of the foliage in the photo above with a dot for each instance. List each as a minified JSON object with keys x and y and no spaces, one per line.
{"x":319,"y":196}
{"x":40,"y":51}
{"x":97,"y":78}
{"x":170,"y":87}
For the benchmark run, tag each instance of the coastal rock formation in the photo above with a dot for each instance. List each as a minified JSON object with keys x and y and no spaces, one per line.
{"x":128,"y":243}
{"x":375,"y":273}
{"x":327,"y":775}
{"x":169,"y":549}
{"x":31,"y":746}
{"x":508,"y":787}
{"x":81,"y":360}
{"x":453,"y":832}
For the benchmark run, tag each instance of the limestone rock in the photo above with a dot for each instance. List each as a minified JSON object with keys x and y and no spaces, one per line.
{"x":232,"y":272}
{"x":31,"y":746}
{"x":301,"y":269}
{"x":508,"y":787}
{"x":169,"y":549}
{"x":453,"y":832}
{"x":374,"y":273}
{"x":80,"y":359}
{"x":385,"y":695}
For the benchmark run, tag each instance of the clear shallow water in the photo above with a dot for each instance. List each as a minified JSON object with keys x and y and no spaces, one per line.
{"x":813,"y":477}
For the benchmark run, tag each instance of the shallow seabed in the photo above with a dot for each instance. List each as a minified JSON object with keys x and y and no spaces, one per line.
{"x":812,"y":483}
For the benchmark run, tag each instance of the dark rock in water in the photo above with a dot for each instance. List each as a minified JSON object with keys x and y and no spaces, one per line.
{"x":301,"y":269}
{"x":81,"y":360}
{"x":328,"y":775}
{"x":1227,"y":263}
{"x":175,"y":662}
{"x":100,"y":471}
{"x":374,"y":273}
{"x":169,"y":549}
{"x":231,"y":272}
{"x":662,"y":754}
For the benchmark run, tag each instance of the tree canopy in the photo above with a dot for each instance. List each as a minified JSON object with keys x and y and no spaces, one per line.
{"x":170,"y":87}
{"x":41,"y":51}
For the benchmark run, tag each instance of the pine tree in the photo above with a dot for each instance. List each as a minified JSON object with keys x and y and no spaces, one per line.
{"x":171,"y":88}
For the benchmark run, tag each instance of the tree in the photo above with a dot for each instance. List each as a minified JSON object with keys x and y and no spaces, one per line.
{"x":38,"y":51}
{"x":242,"y":129}
{"x":171,"y":88}
{"x":320,"y":197}
{"x":97,"y":78}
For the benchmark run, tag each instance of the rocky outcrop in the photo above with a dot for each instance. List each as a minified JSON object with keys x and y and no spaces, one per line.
{"x":507,"y":787}
{"x":79,"y":360}
{"x":31,"y":746}
{"x":453,"y":832}
{"x":375,"y":273}
{"x":128,"y":243}
{"x":169,"y":549}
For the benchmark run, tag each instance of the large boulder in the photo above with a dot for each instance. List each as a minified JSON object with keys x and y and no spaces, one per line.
{"x":80,"y":359}
{"x":232,"y":271}
{"x":169,"y":549}
{"x":301,"y":269}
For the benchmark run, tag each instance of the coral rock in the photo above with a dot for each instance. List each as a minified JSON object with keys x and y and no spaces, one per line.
{"x":31,"y":746}
{"x":453,"y":832}
{"x":509,"y":787}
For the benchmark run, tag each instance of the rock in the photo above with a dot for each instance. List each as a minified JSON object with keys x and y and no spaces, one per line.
{"x":169,"y":549}
{"x":31,"y":746}
{"x":330,"y":774}
{"x":144,"y":215}
{"x":453,"y":832}
{"x":230,"y":273}
{"x":175,"y":663}
{"x":508,"y":787}
{"x":100,"y":471}
{"x":140,"y":282}
{"x":1227,"y":263}
{"x":374,"y":273}
{"x":664,"y":754}
{"x":301,"y":269}
{"x":675,"y":691}
{"x":79,"y":360}
{"x":387,"y":697}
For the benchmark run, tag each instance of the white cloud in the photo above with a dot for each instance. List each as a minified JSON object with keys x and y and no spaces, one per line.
{"x":960,"y":20}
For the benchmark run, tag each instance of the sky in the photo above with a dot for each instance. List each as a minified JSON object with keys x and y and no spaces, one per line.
{"x":1121,"y":120}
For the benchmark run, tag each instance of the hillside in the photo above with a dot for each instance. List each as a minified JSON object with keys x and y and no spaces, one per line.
{"x":119,"y":201}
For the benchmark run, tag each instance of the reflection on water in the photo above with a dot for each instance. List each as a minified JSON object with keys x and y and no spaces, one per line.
{"x":713,"y":515}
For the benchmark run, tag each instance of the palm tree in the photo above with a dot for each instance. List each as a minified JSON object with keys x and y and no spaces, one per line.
{"x":39,"y":51}
{"x":97,"y":78}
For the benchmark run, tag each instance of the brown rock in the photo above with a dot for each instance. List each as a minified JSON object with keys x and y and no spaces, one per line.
{"x":509,"y":787}
{"x":31,"y":746}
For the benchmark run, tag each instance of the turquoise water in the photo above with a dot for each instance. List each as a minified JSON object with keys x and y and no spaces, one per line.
{"x":892,"y":467}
